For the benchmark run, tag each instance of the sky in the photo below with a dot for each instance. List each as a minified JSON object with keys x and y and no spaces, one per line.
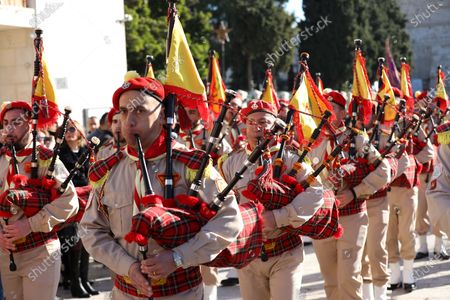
{"x":295,"y":6}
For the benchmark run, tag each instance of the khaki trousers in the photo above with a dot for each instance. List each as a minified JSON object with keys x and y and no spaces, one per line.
{"x":375,"y":257}
{"x":210,"y":275}
{"x":340,"y":260}
{"x":402,"y":217}
{"x":37,"y":274}
{"x":193,"y":294}
{"x":440,"y":214}
{"x":279,"y":278}
{"x":422,"y":219}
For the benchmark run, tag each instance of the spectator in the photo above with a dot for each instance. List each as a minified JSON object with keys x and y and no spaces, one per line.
{"x":92,"y":124}
{"x":103,"y":133}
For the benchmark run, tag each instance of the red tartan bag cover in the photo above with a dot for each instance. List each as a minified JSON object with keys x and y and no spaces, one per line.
{"x":171,"y":227}
{"x":410,"y":177}
{"x":323,"y":224}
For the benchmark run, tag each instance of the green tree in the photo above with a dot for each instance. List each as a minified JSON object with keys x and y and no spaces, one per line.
{"x":331,"y":49}
{"x":147,"y":33}
{"x":259,"y":28}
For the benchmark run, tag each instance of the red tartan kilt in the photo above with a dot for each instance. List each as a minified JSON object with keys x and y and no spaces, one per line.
{"x":323,"y":224}
{"x":30,"y":199}
{"x":171,"y":227}
{"x":248,"y":244}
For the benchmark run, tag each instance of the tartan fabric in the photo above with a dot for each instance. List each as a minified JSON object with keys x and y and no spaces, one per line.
{"x":354,"y":207}
{"x":418,"y":145}
{"x":323,"y":224}
{"x":281,"y":244}
{"x":44,"y":153}
{"x":410,"y":177}
{"x":101,"y":168}
{"x":354,"y":173}
{"x":28,"y":198}
{"x":248,"y":244}
{"x":169,"y":227}
{"x":177,"y":282}
{"x":272,"y":197}
{"x":83,"y":196}
{"x":35,"y":239}
{"x":190,"y":158}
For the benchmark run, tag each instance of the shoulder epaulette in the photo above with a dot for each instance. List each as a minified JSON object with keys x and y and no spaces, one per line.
{"x":99,"y":171}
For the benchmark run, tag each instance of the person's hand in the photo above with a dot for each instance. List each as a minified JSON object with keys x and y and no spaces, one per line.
{"x":17,"y":229}
{"x":344,"y":197}
{"x":139,"y":281}
{"x":6,"y":244}
{"x":160,"y":265}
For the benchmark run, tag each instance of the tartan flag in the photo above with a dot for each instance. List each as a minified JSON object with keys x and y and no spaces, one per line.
{"x":441,"y":98}
{"x":386,"y":88}
{"x":269,"y":94}
{"x":183,"y":78}
{"x":406,"y":87}
{"x":361,"y":88}
{"x":216,"y":93}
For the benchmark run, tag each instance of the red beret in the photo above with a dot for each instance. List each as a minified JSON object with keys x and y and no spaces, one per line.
{"x":150,"y":86}
{"x":283,"y":102}
{"x":397,"y":92}
{"x":421,"y":94}
{"x":336,"y":98}
{"x":258,"y":106}
{"x":111,"y":114}
{"x":12,"y":105}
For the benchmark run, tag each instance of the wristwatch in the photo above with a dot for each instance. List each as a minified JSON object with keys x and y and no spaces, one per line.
{"x":177,"y":259}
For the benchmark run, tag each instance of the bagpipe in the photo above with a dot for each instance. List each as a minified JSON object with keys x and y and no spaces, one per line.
{"x":274,"y":193}
{"x":172,"y":222}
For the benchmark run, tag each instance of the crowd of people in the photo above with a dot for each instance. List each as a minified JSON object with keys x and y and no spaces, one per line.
{"x":386,"y":190}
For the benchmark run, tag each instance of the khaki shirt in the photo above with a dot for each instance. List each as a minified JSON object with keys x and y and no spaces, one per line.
{"x":302,"y":207}
{"x":427,"y":153}
{"x":438,"y":189}
{"x":106,"y":150}
{"x":104,"y":233}
{"x":54,"y":212}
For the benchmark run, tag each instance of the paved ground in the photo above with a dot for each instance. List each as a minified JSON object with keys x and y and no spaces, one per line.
{"x":433,"y":280}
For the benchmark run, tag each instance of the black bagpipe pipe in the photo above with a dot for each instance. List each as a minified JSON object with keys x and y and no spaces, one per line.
{"x":234,"y":120}
{"x":212,"y":141}
{"x":173,"y":226}
{"x":361,"y":168}
{"x":396,"y":127}
{"x":58,"y":142}
{"x":375,"y":138}
{"x":12,"y":264}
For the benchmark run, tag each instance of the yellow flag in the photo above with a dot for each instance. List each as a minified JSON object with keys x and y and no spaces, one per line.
{"x":391,"y":104}
{"x":269,"y":94}
{"x":216,"y":95}
{"x":183,"y":78}
{"x":304,"y":123}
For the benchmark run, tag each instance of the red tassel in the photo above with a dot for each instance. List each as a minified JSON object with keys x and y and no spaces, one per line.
{"x":35,"y":182}
{"x":6,"y":215}
{"x":289,"y":180}
{"x":169,"y":203}
{"x":186,"y":200}
{"x":258,"y":170}
{"x":152,"y":200}
{"x":48,"y":183}
{"x":339,"y":232}
{"x":141,"y":240}
{"x":19,"y":180}
{"x":206,"y":212}
{"x":299,"y":188}
{"x":130,"y":237}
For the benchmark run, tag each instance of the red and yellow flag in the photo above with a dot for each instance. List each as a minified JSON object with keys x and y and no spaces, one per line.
{"x":44,"y":95}
{"x":183,"y":78}
{"x":441,"y":98}
{"x":309,"y":105}
{"x":216,"y":93}
{"x":406,"y":87}
{"x":320,"y":86}
{"x":269,"y":94}
{"x":391,"y":104}
{"x":361,"y":88}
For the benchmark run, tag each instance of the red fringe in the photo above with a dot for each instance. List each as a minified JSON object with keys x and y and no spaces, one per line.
{"x":152,"y":200}
{"x":339,"y":233}
{"x":289,"y":180}
{"x":186,"y":200}
{"x":47,"y":183}
{"x":248,"y":193}
{"x":19,"y":180}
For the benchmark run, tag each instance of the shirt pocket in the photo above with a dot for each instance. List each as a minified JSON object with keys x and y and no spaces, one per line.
{"x":120,"y":211}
